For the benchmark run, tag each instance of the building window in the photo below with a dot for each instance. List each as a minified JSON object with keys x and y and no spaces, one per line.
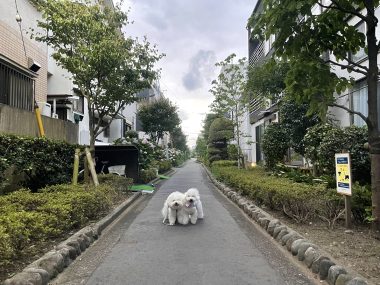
{"x":361,"y":53}
{"x":359,"y":102}
{"x":16,"y":87}
{"x":78,"y":104}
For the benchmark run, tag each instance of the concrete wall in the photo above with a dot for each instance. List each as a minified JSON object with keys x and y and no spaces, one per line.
{"x":21,"y":122}
{"x":11,"y":44}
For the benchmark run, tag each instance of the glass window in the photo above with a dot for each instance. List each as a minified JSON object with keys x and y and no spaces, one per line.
{"x":360,"y":102}
{"x":361,"y":53}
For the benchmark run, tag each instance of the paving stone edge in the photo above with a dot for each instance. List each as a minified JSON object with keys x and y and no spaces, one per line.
{"x":312,"y":257}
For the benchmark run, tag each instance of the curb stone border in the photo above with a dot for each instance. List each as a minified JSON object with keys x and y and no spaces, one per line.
{"x":308,"y":253}
{"x":41,"y":271}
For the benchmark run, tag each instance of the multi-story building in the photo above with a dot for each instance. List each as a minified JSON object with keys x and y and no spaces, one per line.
{"x":261,"y":113}
{"x":24,"y":74}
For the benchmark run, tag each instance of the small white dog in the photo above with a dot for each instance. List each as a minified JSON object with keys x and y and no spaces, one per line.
{"x":172,"y":205}
{"x":192,"y":208}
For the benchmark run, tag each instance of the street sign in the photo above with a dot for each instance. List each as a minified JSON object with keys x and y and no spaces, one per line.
{"x":343,"y":173}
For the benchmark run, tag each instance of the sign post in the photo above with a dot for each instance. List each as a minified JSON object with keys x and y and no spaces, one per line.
{"x":344,"y":182}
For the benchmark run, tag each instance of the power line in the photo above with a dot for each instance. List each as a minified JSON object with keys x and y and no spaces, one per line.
{"x":18,"y":20}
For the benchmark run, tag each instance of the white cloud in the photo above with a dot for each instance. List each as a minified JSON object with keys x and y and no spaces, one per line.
{"x":192,"y":34}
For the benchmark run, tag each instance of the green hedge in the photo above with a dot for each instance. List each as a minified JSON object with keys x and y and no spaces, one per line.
{"x":27,"y":218}
{"x":299,"y":201}
{"x":36,"y":162}
{"x":147,"y":175}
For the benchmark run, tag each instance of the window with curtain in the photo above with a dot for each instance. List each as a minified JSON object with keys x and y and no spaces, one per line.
{"x":360,"y":102}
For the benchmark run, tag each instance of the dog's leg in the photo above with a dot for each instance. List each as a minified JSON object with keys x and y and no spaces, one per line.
{"x":164,"y":212}
{"x":199,"y":207}
{"x":172,"y":215}
{"x":182,"y":217}
{"x":194,"y":217}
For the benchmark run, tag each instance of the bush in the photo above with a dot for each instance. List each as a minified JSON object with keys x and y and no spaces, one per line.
{"x":147,"y":175}
{"x":323,"y":141}
{"x":275,"y":144}
{"x":26,"y":217}
{"x":39,"y":161}
{"x":164,"y":166}
{"x":119,"y":183}
{"x":296,"y":200}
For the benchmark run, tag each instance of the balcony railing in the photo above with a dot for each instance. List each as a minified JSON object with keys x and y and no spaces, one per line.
{"x":257,"y":55}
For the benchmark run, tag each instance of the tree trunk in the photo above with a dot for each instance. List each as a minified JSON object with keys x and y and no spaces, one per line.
{"x":91,"y":129}
{"x":373,"y":115}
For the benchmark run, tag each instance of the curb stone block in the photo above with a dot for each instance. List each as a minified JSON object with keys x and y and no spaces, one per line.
{"x":44,"y":275}
{"x":317,"y":263}
{"x":272,"y":225}
{"x":75,"y":244}
{"x":334,"y":272}
{"x":264,"y":222}
{"x":281,"y":234}
{"x":292,"y":240}
{"x":357,"y":281}
{"x":82,"y":242}
{"x":65,"y":253}
{"x":286,"y":237}
{"x":25,"y":278}
{"x":311,"y":255}
{"x":277,"y":230}
{"x":302,"y":249}
{"x":296,"y":245}
{"x":343,"y":279}
{"x":72,"y":251}
{"x":324,"y":268}
{"x":52,"y":262}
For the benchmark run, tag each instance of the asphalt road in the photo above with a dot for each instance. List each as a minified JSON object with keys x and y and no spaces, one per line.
{"x":224,"y":248}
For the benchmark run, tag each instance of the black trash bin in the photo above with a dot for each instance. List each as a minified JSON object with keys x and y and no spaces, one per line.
{"x":112,"y":158}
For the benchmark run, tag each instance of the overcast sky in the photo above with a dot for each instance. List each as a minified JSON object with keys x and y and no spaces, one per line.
{"x":194,"y":35}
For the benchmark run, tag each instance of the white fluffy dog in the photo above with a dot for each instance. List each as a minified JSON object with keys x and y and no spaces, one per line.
{"x":192,"y":208}
{"x":172,"y":205}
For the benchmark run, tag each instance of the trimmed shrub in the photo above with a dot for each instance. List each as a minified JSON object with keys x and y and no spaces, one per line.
{"x":27,"y":217}
{"x":147,"y":175}
{"x":37,"y":161}
{"x":298,"y":201}
{"x":119,"y":183}
{"x":164,"y":166}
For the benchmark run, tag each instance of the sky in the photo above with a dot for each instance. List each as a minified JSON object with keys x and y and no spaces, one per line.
{"x":194,"y":35}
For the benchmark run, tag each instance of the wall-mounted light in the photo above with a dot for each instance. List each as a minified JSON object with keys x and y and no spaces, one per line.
{"x":33,"y":65}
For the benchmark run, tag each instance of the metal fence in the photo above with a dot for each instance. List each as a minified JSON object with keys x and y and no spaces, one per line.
{"x":16,"y":88}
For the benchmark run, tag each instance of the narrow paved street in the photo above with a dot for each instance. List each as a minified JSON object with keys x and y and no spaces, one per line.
{"x":224,"y":248}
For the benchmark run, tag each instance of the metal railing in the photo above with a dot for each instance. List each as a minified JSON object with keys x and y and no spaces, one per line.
{"x":16,"y":88}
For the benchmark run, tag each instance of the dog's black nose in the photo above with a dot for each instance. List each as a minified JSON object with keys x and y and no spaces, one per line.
{"x":191,"y":200}
{"x":175,"y":204}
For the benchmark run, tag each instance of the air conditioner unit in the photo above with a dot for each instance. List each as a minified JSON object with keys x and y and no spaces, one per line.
{"x":45,"y":109}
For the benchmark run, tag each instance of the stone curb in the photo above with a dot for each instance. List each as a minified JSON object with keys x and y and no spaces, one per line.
{"x":41,"y":271}
{"x":310,"y":255}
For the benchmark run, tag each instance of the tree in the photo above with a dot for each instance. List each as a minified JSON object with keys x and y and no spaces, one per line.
{"x":220,"y":132}
{"x":275,"y":144}
{"x":178,"y":139}
{"x":230,"y":98}
{"x":303,"y":39}
{"x":158,"y":117}
{"x":107,"y":68}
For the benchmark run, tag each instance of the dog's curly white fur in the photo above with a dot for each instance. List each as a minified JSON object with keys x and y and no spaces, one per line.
{"x":172,"y":205}
{"x":192,"y":208}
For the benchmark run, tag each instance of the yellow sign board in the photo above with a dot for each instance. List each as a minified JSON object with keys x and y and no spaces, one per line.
{"x":343,"y":173}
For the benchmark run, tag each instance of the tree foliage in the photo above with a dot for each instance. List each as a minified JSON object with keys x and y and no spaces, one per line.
{"x":220,"y":132}
{"x":316,"y":45}
{"x":178,"y":139}
{"x":158,"y":117}
{"x":108,"y":68}
{"x":229,"y":93}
